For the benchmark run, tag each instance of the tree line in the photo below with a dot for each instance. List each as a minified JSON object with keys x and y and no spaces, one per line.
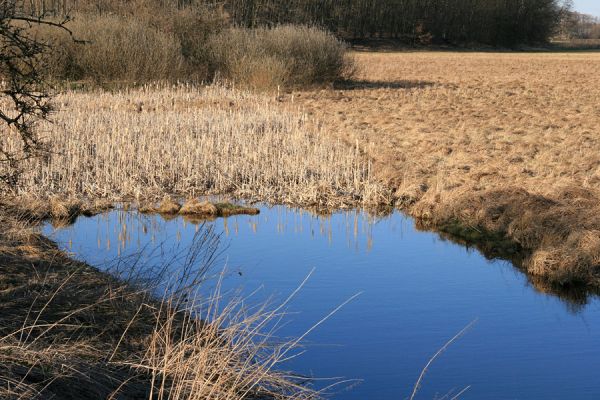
{"x":493,"y":22}
{"x":580,"y":26}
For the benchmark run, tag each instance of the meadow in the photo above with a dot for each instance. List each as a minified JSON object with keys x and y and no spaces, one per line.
{"x":492,"y":143}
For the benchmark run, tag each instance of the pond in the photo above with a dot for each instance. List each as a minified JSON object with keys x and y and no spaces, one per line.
{"x":417,"y":290}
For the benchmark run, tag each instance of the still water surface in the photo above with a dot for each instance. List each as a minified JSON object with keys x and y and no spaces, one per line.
{"x":417,"y":291}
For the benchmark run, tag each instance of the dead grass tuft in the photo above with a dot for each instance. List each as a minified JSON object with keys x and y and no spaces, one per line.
{"x":195,"y":207}
{"x":168,"y":206}
{"x":64,"y":208}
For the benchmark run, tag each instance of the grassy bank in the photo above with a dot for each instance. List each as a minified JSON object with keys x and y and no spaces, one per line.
{"x":501,"y":143}
{"x":69,"y":331}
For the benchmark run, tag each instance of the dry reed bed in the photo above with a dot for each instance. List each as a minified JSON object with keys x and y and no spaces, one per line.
{"x":506,"y":143}
{"x":143,"y":143}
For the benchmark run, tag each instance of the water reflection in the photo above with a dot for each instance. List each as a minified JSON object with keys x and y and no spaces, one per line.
{"x":419,"y":289}
{"x":575,"y":297}
{"x":133,"y":230}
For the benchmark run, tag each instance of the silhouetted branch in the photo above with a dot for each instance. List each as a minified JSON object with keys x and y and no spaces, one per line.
{"x":25,"y":93}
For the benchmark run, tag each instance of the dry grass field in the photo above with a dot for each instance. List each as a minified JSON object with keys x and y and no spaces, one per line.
{"x":485,"y":145}
{"x":504,"y":143}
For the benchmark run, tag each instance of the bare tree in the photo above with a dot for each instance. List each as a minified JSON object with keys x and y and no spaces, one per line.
{"x":25,"y":96}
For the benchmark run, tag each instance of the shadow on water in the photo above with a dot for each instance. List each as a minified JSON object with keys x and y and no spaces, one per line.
{"x":495,"y":247}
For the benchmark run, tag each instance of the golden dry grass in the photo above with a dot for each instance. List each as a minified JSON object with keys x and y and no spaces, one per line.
{"x":141,"y":144}
{"x":501,"y":142}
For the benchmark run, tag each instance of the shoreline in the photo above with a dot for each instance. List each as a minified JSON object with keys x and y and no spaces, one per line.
{"x":504,"y":145}
{"x":34,"y":252}
{"x":73,"y":331}
{"x":491,"y":244}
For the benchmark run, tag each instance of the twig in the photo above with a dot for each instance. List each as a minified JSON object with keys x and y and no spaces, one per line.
{"x":436,"y":355}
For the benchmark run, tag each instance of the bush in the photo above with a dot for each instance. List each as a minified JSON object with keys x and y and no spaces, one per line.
{"x":192,"y":44}
{"x":193,"y":27}
{"x":147,"y":46}
{"x":117,"y":49}
{"x":285,"y":55}
{"x":127,"y":49}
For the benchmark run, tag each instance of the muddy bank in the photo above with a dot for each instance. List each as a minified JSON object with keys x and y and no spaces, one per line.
{"x":64,"y":211}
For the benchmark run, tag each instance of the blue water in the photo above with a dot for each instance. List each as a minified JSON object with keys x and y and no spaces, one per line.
{"x":416,"y":292}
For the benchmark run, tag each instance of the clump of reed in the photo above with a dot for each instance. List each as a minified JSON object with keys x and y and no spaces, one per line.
{"x":143,"y":143}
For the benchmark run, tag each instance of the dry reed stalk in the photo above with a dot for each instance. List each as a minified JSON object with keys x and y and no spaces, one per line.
{"x":191,"y":141}
{"x":225,"y":355}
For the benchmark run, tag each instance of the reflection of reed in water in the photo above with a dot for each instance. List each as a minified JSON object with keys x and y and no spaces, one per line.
{"x":133,"y":230}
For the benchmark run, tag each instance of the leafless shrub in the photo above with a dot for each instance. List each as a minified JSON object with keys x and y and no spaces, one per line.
{"x":284,"y":55}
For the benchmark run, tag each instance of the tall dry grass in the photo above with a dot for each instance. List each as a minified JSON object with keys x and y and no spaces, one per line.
{"x":71,"y":332}
{"x":140,"y":144}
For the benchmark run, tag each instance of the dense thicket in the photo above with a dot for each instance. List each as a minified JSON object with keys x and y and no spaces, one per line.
{"x":175,"y":40}
{"x":494,"y":22}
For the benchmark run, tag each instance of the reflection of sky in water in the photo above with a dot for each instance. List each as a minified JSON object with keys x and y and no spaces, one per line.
{"x":417,"y":292}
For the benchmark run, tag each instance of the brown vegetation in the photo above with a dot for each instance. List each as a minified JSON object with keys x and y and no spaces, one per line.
{"x":68,"y":331}
{"x":281,"y":56}
{"x":190,"y":45}
{"x":197,"y":209}
{"x":499,"y":143}
{"x":59,"y":209}
{"x":141,"y":144}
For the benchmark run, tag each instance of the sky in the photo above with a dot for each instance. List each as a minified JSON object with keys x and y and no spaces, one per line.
{"x":588,"y":6}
